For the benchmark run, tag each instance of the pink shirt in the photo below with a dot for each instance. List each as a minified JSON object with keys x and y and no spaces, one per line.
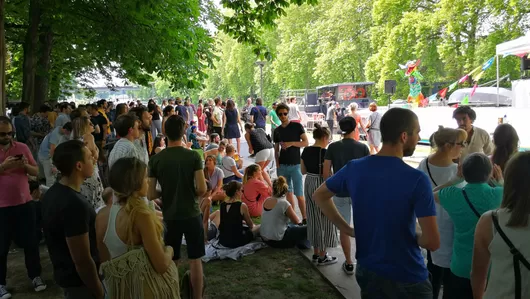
{"x":251,"y":190}
{"x":14,"y":182}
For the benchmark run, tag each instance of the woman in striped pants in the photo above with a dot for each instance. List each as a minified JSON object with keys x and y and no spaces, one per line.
{"x":320,"y":231}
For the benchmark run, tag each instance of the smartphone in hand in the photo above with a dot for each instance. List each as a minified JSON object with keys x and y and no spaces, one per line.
{"x":19,"y":157}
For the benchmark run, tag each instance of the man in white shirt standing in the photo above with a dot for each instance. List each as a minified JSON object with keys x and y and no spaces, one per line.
{"x":127,"y":128}
{"x":294,"y":112}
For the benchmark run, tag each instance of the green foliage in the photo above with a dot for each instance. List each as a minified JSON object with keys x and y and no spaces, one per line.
{"x":342,"y":41}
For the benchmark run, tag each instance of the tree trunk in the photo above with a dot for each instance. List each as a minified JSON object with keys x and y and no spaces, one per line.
{"x":42,"y":75}
{"x":3,"y":56}
{"x":30,"y":52}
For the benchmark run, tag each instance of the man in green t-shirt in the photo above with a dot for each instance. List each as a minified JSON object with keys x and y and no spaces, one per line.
{"x":275,"y":120}
{"x":179,"y":172}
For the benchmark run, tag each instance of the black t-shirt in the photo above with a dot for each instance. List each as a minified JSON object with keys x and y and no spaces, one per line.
{"x":313,"y":157}
{"x":67,"y":213}
{"x":259,"y":141}
{"x":99,"y":120}
{"x":289,"y":133}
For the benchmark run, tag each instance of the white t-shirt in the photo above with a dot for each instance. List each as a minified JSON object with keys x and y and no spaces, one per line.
{"x":219,"y":115}
{"x":293,"y":112}
{"x":440,"y":176}
{"x":274,"y":222}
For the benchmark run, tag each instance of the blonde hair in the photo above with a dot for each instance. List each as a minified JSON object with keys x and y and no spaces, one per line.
{"x":446,"y":136}
{"x":279,"y":187}
{"x":230,"y":149}
{"x":80,"y":127}
{"x":250,"y":171}
{"x":125,"y":178}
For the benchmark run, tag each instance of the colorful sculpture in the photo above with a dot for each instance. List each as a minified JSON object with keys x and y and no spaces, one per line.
{"x":410,"y":71}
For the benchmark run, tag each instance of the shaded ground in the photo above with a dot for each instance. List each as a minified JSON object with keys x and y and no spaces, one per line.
{"x":269,"y":273}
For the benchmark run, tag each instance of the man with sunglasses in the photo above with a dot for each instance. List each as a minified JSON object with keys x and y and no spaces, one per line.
{"x":17,"y":209}
{"x":288,"y":138}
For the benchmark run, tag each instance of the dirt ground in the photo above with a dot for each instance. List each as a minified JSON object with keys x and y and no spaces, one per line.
{"x":269,"y":273}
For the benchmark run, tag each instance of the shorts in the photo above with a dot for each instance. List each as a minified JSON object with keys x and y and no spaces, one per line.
{"x":264,"y":155}
{"x":343,"y":205}
{"x":192,"y":230}
{"x":293,"y":176}
{"x":375,"y":137}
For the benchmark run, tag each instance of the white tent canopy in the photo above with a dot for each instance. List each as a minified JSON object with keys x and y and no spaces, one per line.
{"x":520,"y":45}
{"x":516,"y":46}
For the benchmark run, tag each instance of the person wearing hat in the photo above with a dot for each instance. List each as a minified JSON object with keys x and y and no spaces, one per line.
{"x":275,"y":120}
{"x":339,"y":153}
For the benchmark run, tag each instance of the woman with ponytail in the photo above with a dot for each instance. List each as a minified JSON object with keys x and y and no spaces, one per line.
{"x":506,"y":143}
{"x":277,"y":212}
{"x":255,"y":189}
{"x":135,"y":262}
{"x":321,"y":231}
{"x":232,"y":232}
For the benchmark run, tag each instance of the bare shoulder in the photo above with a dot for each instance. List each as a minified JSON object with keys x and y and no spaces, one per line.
{"x":102,"y":217}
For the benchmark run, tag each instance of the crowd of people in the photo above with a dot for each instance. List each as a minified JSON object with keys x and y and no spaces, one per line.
{"x":122,"y":186}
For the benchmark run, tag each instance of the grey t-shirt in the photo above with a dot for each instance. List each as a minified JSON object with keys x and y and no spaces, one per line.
{"x":343,"y":151}
{"x":212,"y":146}
{"x":226,"y":166}
{"x":375,"y":120}
{"x":330,"y":113}
{"x":274,"y":222}
{"x":217,"y":175}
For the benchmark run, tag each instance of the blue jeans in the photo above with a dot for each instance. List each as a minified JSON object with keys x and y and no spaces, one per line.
{"x":293,"y":176}
{"x":374,"y":286}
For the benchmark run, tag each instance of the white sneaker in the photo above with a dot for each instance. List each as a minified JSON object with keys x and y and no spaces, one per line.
{"x":38,"y":284}
{"x":4,"y":294}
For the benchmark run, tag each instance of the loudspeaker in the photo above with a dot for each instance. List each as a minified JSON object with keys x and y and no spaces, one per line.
{"x":390,"y":86}
{"x":525,"y":63}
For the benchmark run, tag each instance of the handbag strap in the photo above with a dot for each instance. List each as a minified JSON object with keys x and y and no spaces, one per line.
{"x":429,"y":171}
{"x":470,"y":204}
{"x":517,"y":256}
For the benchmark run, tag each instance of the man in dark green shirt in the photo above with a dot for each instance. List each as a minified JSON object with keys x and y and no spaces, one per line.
{"x":179,"y":172}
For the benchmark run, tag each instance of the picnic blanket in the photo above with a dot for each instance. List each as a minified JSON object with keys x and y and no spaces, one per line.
{"x":216,"y":251}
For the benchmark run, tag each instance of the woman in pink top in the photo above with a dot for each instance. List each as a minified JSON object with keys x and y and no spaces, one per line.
{"x":255,"y":190}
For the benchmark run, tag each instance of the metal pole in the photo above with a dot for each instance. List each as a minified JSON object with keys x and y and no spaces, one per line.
{"x":498,"y":96}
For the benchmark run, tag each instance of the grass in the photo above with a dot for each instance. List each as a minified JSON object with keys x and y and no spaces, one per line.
{"x":268,"y":273}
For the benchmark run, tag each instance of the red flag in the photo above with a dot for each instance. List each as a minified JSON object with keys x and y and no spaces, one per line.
{"x":442,"y":93}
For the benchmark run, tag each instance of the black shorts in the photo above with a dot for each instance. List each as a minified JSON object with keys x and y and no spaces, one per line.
{"x":192,"y":229}
{"x":218,"y":130}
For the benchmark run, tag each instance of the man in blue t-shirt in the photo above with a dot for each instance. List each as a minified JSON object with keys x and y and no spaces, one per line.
{"x":387,"y":197}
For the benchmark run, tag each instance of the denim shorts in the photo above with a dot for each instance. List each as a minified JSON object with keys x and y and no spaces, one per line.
{"x":343,"y":204}
{"x":293,"y":176}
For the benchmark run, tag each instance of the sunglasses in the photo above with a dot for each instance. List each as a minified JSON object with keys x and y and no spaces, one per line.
{"x":283,"y":114}
{"x":462,"y":144}
{"x":4,"y":134}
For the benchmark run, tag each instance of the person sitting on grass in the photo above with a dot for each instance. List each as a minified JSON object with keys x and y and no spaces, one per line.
{"x":277,"y":212}
{"x":129,"y":232}
{"x":214,"y":176}
{"x":210,"y":229}
{"x":231,"y":214}
{"x":197,"y":141}
{"x":231,"y":166}
{"x":255,"y":189}
{"x":218,"y":152}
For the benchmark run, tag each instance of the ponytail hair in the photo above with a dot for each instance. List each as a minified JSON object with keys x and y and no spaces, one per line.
{"x":279,"y":187}
{"x":506,"y":142}
{"x":126,"y":177}
{"x":231,"y":188}
{"x":320,"y":132}
{"x":250,"y":171}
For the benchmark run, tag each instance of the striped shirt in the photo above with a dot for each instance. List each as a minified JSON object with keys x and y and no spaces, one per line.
{"x":124,"y":148}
